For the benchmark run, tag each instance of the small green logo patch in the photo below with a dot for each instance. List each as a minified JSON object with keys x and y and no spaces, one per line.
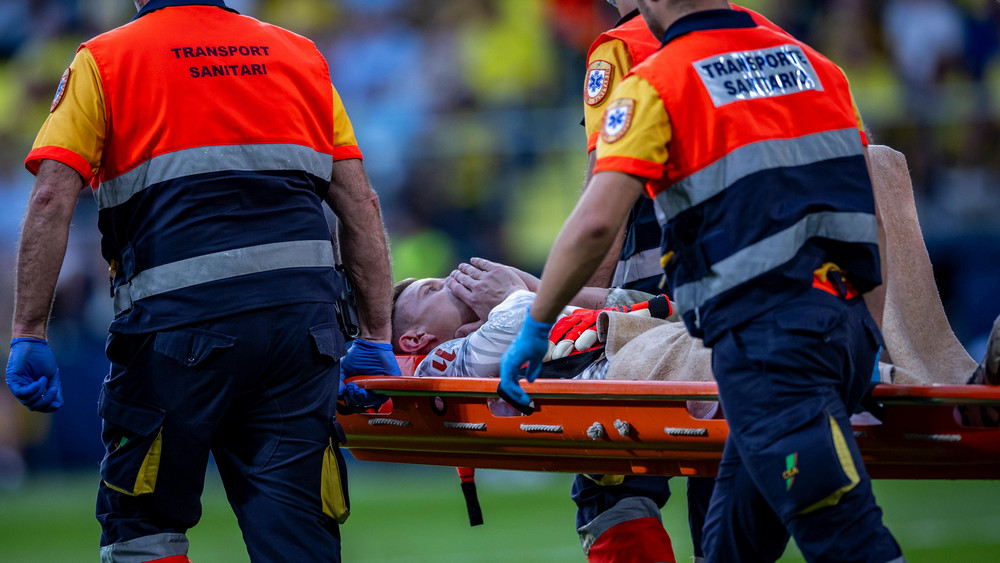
{"x":791,"y":470}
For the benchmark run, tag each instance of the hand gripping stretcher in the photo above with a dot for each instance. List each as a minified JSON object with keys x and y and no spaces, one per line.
{"x":644,"y":427}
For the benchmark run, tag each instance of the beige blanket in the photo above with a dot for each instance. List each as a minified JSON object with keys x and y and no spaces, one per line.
{"x":921,"y":345}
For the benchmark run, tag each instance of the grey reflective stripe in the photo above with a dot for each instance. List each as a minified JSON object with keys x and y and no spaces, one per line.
{"x":146,"y":548}
{"x":753,"y":158}
{"x":221,"y":265}
{"x":645,"y":264}
{"x":625,"y":510}
{"x":773,"y":251}
{"x":201,"y":160}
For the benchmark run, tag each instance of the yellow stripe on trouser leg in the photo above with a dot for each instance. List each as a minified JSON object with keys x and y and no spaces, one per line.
{"x":145,"y":480}
{"x":846,"y":463}
{"x":606,"y":480}
{"x":331,"y":488}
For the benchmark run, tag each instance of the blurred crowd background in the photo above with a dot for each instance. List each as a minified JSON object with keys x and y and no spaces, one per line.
{"x":468,"y":113}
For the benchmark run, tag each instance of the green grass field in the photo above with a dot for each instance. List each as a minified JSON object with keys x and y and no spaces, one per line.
{"x":416,"y":514}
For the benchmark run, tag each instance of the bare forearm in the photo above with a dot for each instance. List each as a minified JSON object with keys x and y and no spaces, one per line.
{"x":584,"y":241}
{"x":42,"y":247}
{"x":605,"y":272}
{"x":363,"y":247}
{"x":574,"y":257}
{"x":529,"y":280}
{"x":589,"y":297}
{"x":366,"y":254}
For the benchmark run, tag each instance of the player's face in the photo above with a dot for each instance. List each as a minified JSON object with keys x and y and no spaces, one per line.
{"x":433,"y":308}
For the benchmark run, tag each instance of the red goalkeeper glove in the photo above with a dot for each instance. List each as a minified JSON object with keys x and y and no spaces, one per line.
{"x":577,"y":332}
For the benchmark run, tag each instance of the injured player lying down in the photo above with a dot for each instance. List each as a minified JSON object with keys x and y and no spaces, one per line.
{"x":921,"y":347}
{"x":463,"y":324}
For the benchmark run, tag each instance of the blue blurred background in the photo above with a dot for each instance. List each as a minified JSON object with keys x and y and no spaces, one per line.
{"x":468,"y":114}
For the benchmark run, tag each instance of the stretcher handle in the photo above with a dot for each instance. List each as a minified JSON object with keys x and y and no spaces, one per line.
{"x":547,"y":388}
{"x":943,"y":395}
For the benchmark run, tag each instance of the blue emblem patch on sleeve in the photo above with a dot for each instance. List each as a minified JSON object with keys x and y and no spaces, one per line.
{"x":60,"y":90}
{"x":617,"y":119}
{"x":599,"y":75}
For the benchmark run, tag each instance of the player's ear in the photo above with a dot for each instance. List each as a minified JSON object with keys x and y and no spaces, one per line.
{"x":416,"y":342}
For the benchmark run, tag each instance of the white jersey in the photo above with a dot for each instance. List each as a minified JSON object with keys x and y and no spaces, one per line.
{"x":478,"y":354}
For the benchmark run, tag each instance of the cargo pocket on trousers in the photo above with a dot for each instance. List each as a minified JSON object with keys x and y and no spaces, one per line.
{"x":191,"y":346}
{"x":329,"y":340}
{"x":133,"y":442}
{"x":808,"y":469}
{"x":816,"y":320}
{"x":333,"y":487}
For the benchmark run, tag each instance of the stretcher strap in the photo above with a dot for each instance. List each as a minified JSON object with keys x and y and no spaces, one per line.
{"x":468,"y":477}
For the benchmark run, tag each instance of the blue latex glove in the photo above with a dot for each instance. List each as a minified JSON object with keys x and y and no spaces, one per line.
{"x":33,"y":376}
{"x":364,"y":358}
{"x":369,"y":358}
{"x":529,"y":347}
{"x":354,"y":399}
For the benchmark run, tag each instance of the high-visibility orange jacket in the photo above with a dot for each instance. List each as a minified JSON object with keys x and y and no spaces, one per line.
{"x":610,"y":58}
{"x":751,"y":146}
{"x":218,"y":140}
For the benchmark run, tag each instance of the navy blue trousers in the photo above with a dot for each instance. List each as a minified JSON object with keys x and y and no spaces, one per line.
{"x":258,"y":390}
{"x":593,"y":499}
{"x":789,"y":381}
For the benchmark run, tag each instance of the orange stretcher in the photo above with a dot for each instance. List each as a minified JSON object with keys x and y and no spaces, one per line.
{"x":644,"y":427}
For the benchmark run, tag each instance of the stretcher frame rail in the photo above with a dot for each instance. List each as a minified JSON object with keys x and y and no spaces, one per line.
{"x":644,"y":427}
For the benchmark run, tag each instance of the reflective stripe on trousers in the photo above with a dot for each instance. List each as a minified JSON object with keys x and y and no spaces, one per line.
{"x":631,"y":508}
{"x":163,"y":548}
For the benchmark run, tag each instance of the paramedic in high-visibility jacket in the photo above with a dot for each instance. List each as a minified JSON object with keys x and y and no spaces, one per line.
{"x":212,"y":141}
{"x":618,"y":516}
{"x":615,"y":511}
{"x":750,"y":145}
{"x":634,"y":260}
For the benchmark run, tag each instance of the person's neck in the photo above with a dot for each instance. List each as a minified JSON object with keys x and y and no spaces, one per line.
{"x":625,"y":7}
{"x":669,"y":12}
{"x":677,"y":11}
